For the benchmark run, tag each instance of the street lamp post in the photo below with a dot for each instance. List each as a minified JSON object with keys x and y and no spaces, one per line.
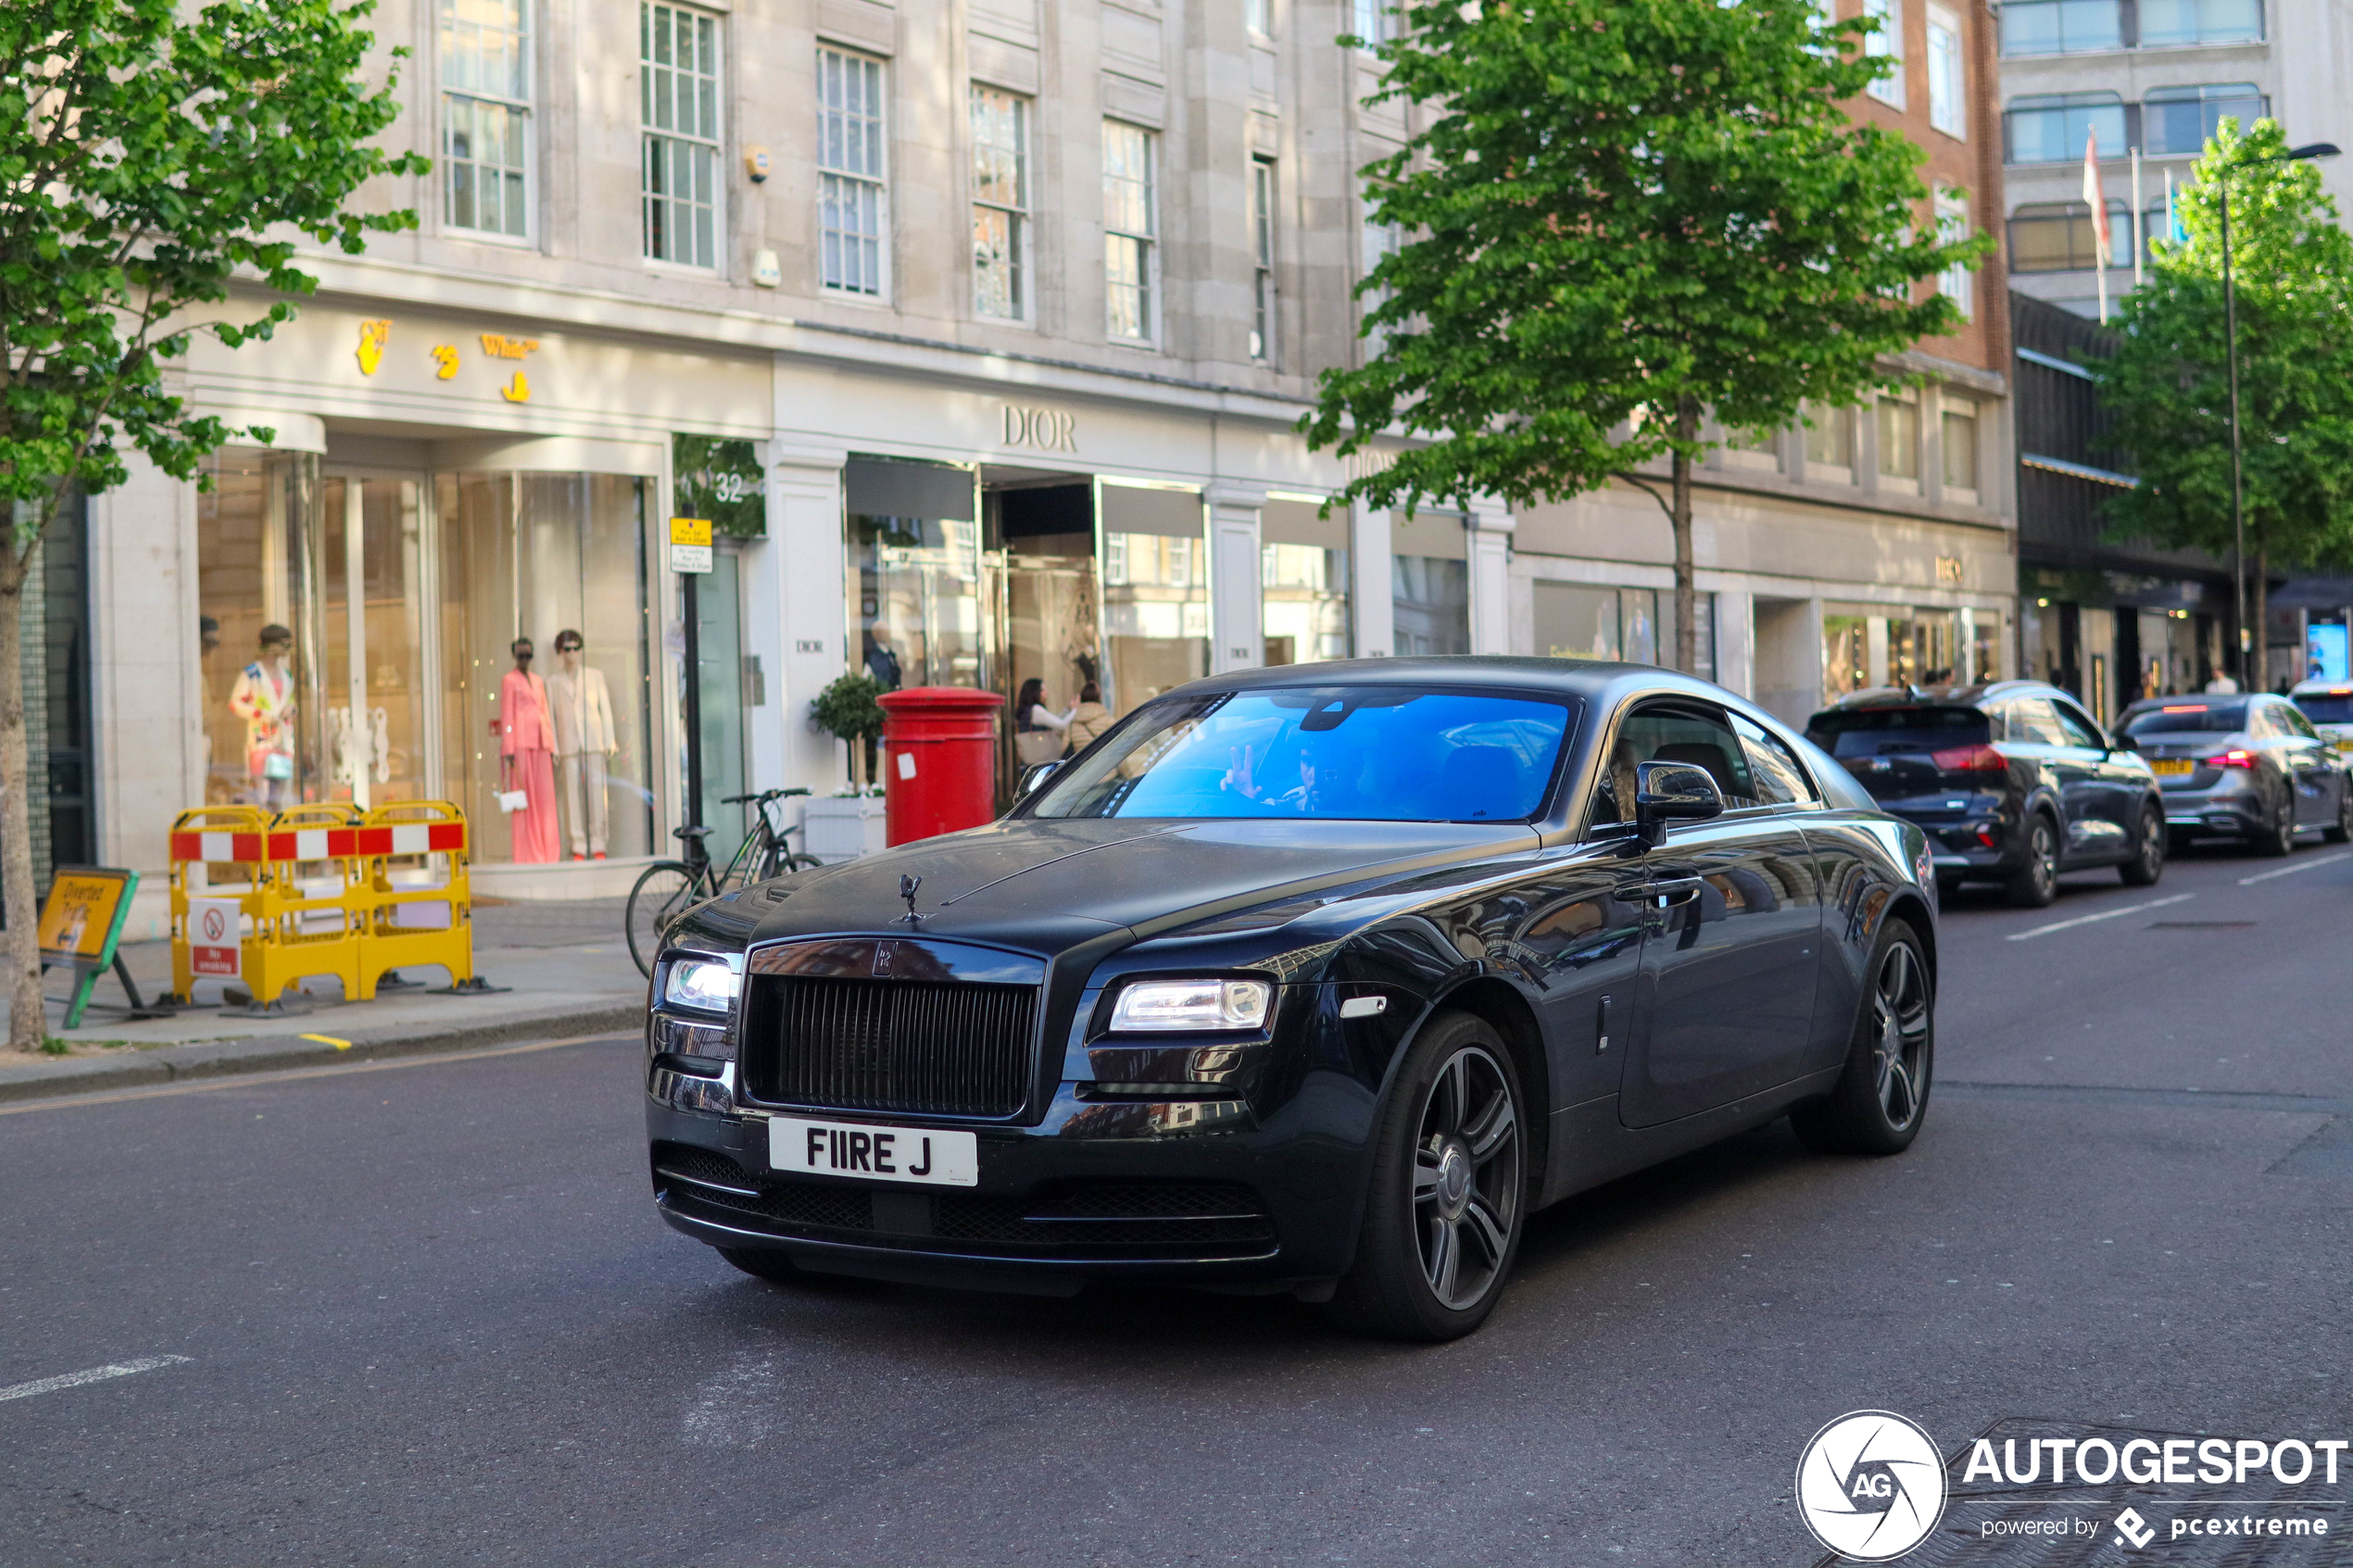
{"x":2231,"y":359}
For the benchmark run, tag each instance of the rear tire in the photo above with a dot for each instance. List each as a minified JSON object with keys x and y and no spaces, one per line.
{"x":2278,"y":836}
{"x":665,"y":890}
{"x":760,"y":1263}
{"x":1448,"y":1198}
{"x":2036,"y":883}
{"x":2341,"y":830}
{"x":2148,"y":863}
{"x":1882,"y":1099}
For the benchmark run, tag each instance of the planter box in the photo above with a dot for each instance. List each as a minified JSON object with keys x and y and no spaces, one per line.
{"x":836,"y":828}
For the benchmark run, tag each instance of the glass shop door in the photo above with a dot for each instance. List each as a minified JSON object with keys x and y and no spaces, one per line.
{"x":371,"y":569}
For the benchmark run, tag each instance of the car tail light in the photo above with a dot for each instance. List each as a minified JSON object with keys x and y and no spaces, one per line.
{"x":2234,"y":758}
{"x":1970,"y":759}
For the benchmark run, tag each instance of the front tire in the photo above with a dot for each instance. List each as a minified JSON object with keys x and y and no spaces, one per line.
{"x":2148,"y":863}
{"x":1449,"y":1195}
{"x":665,"y":890}
{"x":2036,"y":883}
{"x":1882,"y":1099}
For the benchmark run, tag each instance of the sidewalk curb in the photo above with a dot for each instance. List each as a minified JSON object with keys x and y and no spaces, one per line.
{"x":272,"y":1053}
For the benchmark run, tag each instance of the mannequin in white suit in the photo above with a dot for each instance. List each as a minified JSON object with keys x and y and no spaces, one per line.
{"x":585,"y":735}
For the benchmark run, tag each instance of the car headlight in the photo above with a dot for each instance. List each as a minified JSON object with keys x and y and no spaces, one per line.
{"x":710,"y":985}
{"x":1191,"y":1004}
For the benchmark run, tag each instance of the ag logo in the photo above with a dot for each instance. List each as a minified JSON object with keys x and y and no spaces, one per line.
{"x":1871,"y":1485}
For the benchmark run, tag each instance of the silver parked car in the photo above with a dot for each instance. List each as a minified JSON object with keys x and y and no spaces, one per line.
{"x":2243,"y":765}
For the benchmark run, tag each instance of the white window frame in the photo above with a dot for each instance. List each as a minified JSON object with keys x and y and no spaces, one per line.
{"x":447,"y":19}
{"x":1144,"y":237}
{"x":1369,"y":20}
{"x":1265,"y":320}
{"x":1888,"y":41}
{"x":1258,"y":15}
{"x":680,"y":150}
{"x":850,"y":174}
{"x":1956,"y":282}
{"x":1019,"y":265}
{"x":1952,"y":409}
{"x":1947,"y":75}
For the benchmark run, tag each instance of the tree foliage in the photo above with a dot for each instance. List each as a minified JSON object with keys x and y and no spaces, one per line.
{"x":150,"y":155}
{"x":1623,"y":213}
{"x":2292,"y":266}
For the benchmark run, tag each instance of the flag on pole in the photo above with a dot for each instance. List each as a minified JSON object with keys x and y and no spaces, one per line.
{"x":2095,"y":199}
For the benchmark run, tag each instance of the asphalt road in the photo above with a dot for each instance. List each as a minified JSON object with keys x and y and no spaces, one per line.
{"x":427,"y":1313}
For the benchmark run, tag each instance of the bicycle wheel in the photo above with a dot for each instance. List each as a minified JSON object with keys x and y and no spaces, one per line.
{"x":665,"y":890}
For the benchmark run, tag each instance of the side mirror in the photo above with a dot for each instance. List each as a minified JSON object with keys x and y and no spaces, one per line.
{"x":1673,"y":792}
{"x":1032,"y":777}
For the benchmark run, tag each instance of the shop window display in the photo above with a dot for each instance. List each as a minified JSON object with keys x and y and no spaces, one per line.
{"x":1431,"y":603}
{"x":256,"y":667}
{"x":1155,"y":612}
{"x":1305,"y":591}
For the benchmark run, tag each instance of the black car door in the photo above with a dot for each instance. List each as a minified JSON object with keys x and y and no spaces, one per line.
{"x":2311,"y":761}
{"x":1728,"y":966}
{"x":2100,"y":810}
{"x":1579,"y":937}
{"x":2035,"y":736}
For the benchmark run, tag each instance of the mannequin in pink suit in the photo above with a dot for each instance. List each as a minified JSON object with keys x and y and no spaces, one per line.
{"x":527,"y":757}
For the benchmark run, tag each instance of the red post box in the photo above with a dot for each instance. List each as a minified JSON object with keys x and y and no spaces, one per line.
{"x":939,"y":760}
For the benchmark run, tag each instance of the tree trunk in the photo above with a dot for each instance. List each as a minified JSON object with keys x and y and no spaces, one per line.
{"x":1680,"y":516}
{"x":27,"y":1012}
{"x":2260,"y":590}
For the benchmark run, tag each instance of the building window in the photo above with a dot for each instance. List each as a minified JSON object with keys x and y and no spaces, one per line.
{"x":1375,"y":241}
{"x":1130,"y":230}
{"x":1960,"y":429}
{"x":1259,"y":17}
{"x":485,"y":114}
{"x":2180,"y":120}
{"x":1429,"y":605}
{"x":1956,"y":282}
{"x":1001,"y":203}
{"x":1370,"y":22}
{"x":1619,"y":625}
{"x":2058,"y":237}
{"x":2167,"y":22}
{"x":2061,"y":27}
{"x":1887,"y":41}
{"x":1948,"y":82}
{"x":1899,"y":438}
{"x":2055,"y":127}
{"x":678,"y":104}
{"x":1262,"y":245}
{"x":852,"y":198}
{"x":1829,"y":436}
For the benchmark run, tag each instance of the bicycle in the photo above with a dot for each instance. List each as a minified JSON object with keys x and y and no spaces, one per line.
{"x":669,"y":888}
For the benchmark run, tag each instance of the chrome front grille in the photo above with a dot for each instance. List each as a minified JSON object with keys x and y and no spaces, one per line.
{"x":922,"y":1048}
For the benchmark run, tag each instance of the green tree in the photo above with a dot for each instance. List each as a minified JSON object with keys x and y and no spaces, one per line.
{"x":148,"y":157}
{"x":2168,"y":387}
{"x":1625,"y":213}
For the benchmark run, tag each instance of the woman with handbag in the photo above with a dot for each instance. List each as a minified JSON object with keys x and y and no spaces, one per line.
{"x":1089,"y":719}
{"x":1038,"y":729}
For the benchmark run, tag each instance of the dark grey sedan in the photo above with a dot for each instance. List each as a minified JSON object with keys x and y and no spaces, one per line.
{"x":1316,"y":980}
{"x":2248,"y":767}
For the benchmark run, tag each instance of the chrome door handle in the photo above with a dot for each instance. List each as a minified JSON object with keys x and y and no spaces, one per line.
{"x":1682,"y":890}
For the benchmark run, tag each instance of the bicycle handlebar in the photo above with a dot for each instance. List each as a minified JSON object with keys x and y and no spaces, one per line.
{"x":762,"y":798}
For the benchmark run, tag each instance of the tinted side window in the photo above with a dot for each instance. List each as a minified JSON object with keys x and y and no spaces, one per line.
{"x":1778,"y":779}
{"x":2287,"y":713}
{"x":2033,"y":723}
{"x":2078,"y":730}
{"x":1683,"y":732}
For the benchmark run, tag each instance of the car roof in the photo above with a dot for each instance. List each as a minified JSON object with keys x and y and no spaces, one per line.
{"x":1948,"y":696}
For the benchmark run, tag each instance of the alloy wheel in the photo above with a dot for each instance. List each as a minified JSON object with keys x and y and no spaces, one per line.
{"x":1899,"y":1021}
{"x":2045,"y":850}
{"x":1467,"y":1177}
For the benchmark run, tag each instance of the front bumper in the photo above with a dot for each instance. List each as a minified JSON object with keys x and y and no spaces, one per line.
{"x":1193,"y":1191}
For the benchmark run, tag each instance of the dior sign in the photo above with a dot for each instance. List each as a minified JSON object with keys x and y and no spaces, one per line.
{"x":1045,"y":430}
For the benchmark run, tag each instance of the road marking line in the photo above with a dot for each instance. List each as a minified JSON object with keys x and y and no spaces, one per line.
{"x":242,"y":1080}
{"x":2299,"y":866}
{"x":96,"y":1374}
{"x":330,"y":1040}
{"x":2104,"y":915}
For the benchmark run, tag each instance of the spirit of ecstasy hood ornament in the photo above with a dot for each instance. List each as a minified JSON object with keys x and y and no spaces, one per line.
{"x":907,"y":886}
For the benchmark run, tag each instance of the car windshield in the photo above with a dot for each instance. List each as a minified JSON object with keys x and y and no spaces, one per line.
{"x":1868,"y":732}
{"x":1342,"y":753}
{"x":2326,"y":707}
{"x":2188,"y":716}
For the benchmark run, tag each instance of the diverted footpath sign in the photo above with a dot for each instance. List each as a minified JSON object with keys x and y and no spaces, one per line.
{"x":690,"y":544}
{"x":81,"y":926}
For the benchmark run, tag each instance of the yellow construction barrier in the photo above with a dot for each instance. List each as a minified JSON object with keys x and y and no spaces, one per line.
{"x":374,"y":900}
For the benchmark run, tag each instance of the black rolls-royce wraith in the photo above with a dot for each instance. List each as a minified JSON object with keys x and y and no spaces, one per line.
{"x":1316,"y":980}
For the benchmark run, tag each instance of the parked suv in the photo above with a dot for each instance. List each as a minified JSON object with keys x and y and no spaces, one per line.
{"x":2248,"y":766}
{"x":2012,"y":781}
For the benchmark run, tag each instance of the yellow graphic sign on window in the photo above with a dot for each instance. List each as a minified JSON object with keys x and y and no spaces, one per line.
{"x":371,"y":345}
{"x":445,"y":356}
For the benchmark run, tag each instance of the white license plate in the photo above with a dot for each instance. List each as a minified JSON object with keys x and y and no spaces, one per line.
{"x":923,"y":1155}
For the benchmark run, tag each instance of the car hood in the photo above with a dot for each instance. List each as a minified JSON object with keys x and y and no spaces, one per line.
{"x":1043,"y":886}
